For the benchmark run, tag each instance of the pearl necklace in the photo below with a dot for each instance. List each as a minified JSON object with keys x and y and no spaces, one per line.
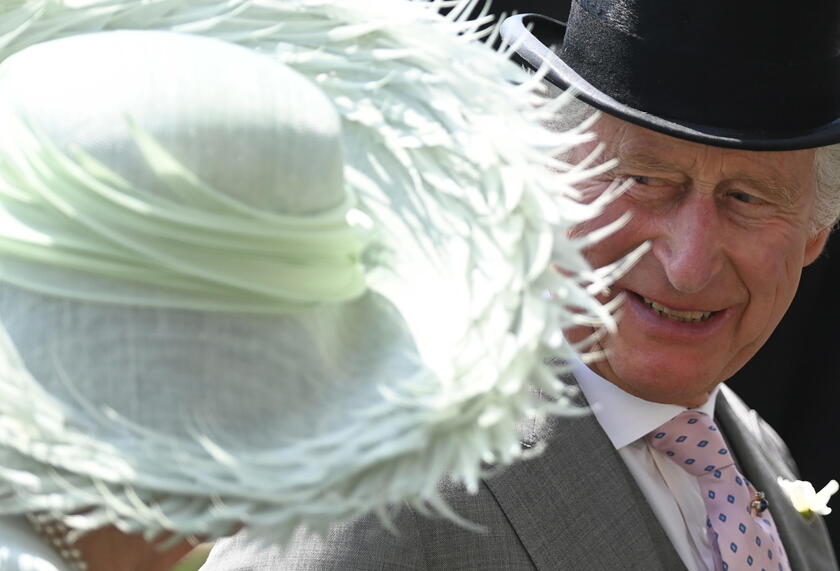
{"x":55,"y":533}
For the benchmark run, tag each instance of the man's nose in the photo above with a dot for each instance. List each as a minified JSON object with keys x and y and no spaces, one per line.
{"x":689,"y":245}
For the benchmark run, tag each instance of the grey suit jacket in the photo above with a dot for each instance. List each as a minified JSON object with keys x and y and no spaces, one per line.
{"x":574,"y":507}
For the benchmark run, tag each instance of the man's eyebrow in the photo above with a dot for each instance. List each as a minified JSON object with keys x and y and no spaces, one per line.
{"x":645,"y":161}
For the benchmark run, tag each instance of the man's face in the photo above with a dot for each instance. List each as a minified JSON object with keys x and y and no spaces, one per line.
{"x":729,"y":236}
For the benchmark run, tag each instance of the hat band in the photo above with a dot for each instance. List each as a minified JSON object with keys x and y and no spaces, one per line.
{"x":63,"y":218}
{"x":702,"y":88}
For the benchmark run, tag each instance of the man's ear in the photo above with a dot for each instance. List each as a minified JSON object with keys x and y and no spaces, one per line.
{"x":815,"y":244}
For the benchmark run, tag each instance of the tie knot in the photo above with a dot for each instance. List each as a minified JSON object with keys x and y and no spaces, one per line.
{"x":692,"y":440}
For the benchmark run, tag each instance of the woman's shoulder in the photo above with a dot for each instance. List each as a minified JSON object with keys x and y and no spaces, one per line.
{"x":21,"y":549}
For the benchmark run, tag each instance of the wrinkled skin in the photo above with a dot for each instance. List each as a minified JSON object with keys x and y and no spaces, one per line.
{"x":729,"y":233}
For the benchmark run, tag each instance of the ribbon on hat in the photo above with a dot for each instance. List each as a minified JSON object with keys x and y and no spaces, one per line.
{"x":197,"y":247}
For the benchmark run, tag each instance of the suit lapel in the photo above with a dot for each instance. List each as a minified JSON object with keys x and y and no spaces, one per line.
{"x":576,"y":506}
{"x":762,"y":457}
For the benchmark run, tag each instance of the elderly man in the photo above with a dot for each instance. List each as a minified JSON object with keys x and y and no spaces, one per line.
{"x":715,"y":112}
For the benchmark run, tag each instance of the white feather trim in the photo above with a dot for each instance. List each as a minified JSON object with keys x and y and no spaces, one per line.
{"x":439,"y":130}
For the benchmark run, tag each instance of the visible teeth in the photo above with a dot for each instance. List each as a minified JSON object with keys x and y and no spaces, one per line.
{"x":676,"y":314}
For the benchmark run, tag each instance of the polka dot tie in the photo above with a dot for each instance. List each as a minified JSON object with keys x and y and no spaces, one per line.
{"x":745,"y":538}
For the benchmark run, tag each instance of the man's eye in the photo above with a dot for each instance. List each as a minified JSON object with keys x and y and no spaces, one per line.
{"x":745,"y":198}
{"x":647,"y":180}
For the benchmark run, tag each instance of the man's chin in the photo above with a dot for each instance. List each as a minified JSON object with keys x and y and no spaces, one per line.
{"x":673,"y":381}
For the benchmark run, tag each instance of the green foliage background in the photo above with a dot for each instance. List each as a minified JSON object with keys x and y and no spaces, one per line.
{"x":195,"y":559}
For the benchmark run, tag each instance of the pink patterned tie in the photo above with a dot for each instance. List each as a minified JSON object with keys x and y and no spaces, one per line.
{"x":741,"y":528}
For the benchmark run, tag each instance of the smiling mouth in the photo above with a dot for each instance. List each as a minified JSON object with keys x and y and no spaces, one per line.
{"x":676,"y":314}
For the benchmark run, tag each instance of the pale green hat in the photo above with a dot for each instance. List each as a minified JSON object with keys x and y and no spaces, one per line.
{"x":226,"y":303}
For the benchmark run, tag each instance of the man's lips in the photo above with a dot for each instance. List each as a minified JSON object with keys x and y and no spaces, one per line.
{"x":663,"y":303}
{"x":661,"y":318}
{"x":685,"y":315}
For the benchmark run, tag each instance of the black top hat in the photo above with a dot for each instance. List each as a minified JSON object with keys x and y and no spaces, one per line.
{"x":751,"y":74}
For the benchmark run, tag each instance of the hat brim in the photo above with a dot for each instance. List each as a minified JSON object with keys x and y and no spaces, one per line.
{"x":457,"y":277}
{"x":523,"y":32}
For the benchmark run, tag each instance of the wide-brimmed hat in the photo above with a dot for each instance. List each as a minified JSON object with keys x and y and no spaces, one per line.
{"x":749,"y":74}
{"x":224,"y":303}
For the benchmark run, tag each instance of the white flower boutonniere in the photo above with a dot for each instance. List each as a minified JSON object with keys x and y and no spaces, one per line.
{"x":805,"y":499}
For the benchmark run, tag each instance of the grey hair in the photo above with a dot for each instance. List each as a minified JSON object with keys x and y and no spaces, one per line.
{"x":827,"y":203}
{"x":826,"y":165}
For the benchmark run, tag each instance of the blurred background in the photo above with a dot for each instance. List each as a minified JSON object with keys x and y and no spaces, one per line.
{"x":195,"y":559}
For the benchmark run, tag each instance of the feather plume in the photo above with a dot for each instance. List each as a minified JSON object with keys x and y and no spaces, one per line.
{"x":446,"y":150}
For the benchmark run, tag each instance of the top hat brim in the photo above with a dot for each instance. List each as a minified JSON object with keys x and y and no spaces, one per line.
{"x":522,"y":31}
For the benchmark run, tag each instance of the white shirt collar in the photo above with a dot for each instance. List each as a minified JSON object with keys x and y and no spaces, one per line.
{"x":624,"y":417}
